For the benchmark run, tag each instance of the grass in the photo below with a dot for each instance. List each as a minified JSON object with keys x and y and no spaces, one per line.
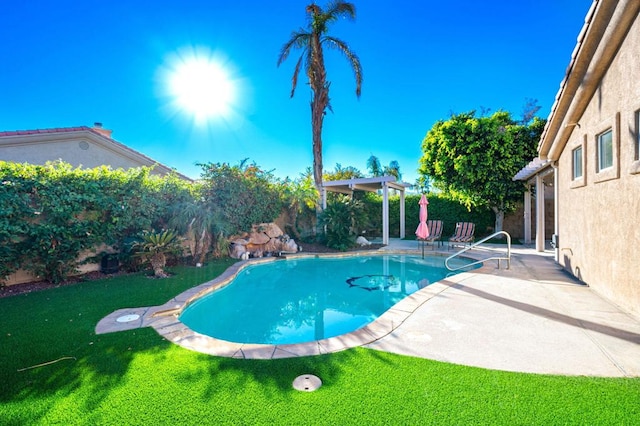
{"x":136,"y":377}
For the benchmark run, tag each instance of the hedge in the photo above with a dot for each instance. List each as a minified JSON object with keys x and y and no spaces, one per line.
{"x":53,"y":213}
{"x":440,"y":208}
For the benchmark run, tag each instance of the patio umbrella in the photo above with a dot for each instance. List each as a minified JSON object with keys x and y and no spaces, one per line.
{"x":423,"y":231}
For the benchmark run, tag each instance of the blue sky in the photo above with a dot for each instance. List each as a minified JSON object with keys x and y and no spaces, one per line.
{"x":73,"y":63}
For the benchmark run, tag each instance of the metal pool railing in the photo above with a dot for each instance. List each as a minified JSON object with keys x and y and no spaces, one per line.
{"x":498,"y":258}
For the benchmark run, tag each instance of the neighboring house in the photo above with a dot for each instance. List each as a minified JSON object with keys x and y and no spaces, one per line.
{"x":83,"y":146}
{"x":589,"y":153}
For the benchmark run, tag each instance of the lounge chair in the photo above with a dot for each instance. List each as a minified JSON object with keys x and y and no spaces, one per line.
{"x":435,"y":232}
{"x":463,"y":234}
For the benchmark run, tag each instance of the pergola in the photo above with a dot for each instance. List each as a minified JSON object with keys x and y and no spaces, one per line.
{"x":373,"y":184}
{"x":538,"y":173}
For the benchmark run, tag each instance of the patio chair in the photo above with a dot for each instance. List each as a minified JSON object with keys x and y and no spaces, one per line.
{"x":463,"y":234}
{"x":435,"y":232}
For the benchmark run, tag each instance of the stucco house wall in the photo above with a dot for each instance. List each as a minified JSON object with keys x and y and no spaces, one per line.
{"x":598,"y":211}
{"x":599,"y":214}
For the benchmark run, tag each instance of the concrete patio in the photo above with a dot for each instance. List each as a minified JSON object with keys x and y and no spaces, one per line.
{"x":533,"y":318}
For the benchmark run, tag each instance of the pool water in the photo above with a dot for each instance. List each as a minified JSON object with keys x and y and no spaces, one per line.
{"x":302,"y":300}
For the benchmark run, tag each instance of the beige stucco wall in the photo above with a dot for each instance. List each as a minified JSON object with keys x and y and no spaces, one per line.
{"x":21,"y":276}
{"x":77,"y":151}
{"x":599,"y":215}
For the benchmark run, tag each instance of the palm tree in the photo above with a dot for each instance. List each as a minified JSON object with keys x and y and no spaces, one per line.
{"x":376,"y":169}
{"x":154,"y":247}
{"x":312,"y":40}
{"x":301,"y":196}
{"x":374,"y":166}
{"x":393,"y":169}
{"x":196,"y":219}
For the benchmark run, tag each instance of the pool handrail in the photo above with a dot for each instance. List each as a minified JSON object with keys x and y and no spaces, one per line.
{"x":498,"y":258}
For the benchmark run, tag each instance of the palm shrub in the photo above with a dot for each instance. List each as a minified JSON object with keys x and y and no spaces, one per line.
{"x":221,"y":246}
{"x":342,"y":218}
{"x":155,"y":246}
{"x":300,"y":199}
{"x":196,"y":220}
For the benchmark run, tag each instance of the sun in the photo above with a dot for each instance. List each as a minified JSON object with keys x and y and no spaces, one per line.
{"x":200,"y":86}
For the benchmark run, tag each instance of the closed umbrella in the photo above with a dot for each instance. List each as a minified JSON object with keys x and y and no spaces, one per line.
{"x":423,"y":231}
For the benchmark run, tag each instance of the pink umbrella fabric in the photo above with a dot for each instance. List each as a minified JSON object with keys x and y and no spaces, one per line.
{"x":423,"y":231}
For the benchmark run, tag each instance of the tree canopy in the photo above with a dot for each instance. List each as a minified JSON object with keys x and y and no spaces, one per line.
{"x":475,"y":158}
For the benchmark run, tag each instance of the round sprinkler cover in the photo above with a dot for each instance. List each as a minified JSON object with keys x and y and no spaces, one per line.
{"x":307,"y":383}
{"x":128,"y":318}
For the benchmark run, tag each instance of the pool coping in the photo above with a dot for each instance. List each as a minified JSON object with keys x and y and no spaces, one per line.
{"x":164,"y":318}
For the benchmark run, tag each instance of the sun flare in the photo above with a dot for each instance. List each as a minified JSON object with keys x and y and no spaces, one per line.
{"x":200,"y":86}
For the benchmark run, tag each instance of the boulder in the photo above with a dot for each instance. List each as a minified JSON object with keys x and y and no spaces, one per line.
{"x":290,"y":246}
{"x":258,"y":238}
{"x":273,"y":245}
{"x":264,"y":239}
{"x":238,"y":251}
{"x":270,"y":229}
{"x":362,"y":241}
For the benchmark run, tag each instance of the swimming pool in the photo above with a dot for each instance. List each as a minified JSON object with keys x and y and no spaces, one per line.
{"x":302,"y":300}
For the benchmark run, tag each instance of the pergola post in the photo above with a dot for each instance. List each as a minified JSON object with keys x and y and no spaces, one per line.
{"x":385,"y":213}
{"x":540,"y":215}
{"x":324,"y":198}
{"x":527,"y":215}
{"x":402,"y":224}
{"x":556,"y":220}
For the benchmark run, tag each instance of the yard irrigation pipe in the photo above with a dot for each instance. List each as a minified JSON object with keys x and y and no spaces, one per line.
{"x":48,"y":363}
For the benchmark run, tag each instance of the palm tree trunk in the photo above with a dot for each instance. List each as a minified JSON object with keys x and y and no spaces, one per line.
{"x":318,"y":106}
{"x":158,"y":262}
{"x":320,"y":88}
{"x":317,"y":119}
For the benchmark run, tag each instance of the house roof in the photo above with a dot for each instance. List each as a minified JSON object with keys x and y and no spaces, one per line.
{"x":97,"y":134}
{"x":606,"y":25}
{"x":43,"y":131}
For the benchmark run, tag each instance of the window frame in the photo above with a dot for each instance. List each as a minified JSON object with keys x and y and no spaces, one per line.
{"x":636,"y":136}
{"x":577,"y":163}
{"x":579,"y":181}
{"x":607,"y":173}
{"x":635,"y":163}
{"x":599,"y":150}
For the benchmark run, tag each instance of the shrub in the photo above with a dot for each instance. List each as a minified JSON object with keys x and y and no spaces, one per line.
{"x":342,"y":219}
{"x":53,"y":213}
{"x":240,"y":196}
{"x":154,"y":246}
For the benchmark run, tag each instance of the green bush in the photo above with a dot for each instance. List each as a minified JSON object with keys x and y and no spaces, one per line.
{"x":241,"y":196}
{"x":342,"y":219}
{"x":54,"y":213}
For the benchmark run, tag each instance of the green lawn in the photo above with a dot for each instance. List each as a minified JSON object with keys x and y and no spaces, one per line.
{"x":137,"y":377}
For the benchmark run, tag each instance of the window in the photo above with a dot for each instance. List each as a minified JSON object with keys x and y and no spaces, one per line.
{"x":605,"y":150}
{"x":577,"y":163}
{"x":637,"y":137}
